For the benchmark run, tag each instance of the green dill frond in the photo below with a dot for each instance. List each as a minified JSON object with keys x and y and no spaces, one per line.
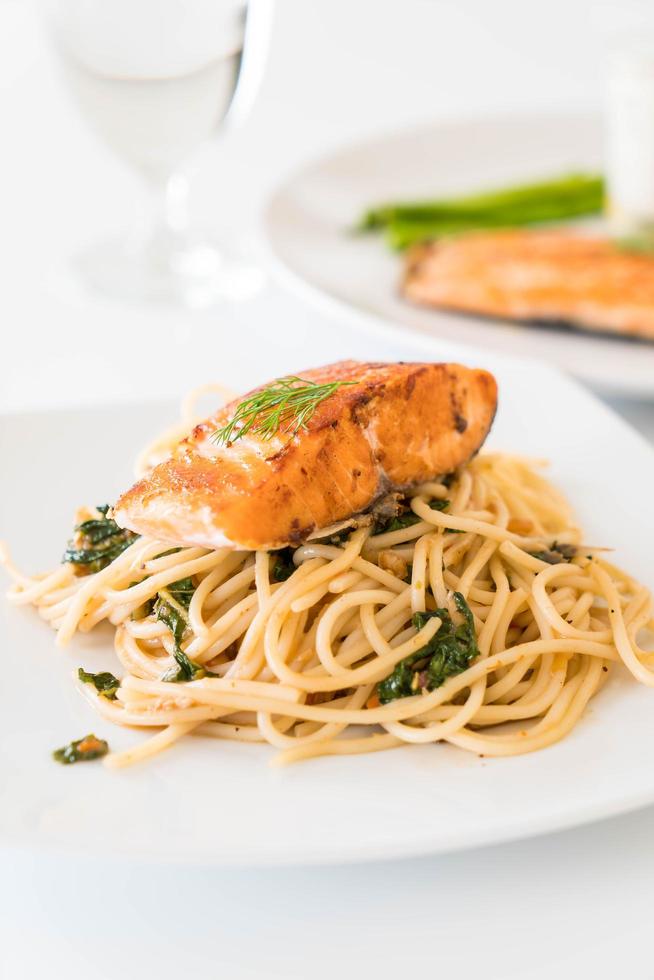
{"x":285,"y":406}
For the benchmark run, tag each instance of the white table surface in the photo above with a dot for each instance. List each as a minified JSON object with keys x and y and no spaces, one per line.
{"x":574,"y":904}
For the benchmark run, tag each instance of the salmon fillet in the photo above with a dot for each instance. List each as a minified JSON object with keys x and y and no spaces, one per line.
{"x":537,"y":275}
{"x":396,"y":426}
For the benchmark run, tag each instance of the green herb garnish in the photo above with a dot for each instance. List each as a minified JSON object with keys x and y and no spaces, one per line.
{"x":570,"y":196}
{"x":83,"y":750}
{"x":284,"y":406}
{"x":96,"y":543}
{"x":283,"y":565}
{"x":449,"y":652}
{"x":182,"y":591}
{"x":105,"y":683}
{"x":171,"y":608}
{"x":405,"y":518}
{"x":556,"y":554}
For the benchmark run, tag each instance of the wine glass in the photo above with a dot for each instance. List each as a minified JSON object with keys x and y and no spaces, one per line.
{"x":156,"y":79}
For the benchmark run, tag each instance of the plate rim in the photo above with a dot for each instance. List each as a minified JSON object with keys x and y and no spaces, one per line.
{"x":584,"y":815}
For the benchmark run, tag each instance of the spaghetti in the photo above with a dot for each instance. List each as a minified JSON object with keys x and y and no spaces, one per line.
{"x":299,"y":658}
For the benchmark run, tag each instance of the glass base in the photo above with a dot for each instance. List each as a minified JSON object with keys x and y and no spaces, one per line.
{"x":194,"y":274}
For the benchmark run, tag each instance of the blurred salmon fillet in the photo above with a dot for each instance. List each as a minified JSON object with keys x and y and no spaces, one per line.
{"x":396,"y":426}
{"x":537,"y":275}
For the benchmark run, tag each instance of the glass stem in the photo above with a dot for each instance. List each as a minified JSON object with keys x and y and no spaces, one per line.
{"x":175,"y":210}
{"x":163,"y":225}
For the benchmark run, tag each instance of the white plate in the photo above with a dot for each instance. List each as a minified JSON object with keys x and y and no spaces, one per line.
{"x":307,"y":222}
{"x":218,"y":802}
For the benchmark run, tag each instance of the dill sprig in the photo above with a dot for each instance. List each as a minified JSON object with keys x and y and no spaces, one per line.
{"x":283,"y":406}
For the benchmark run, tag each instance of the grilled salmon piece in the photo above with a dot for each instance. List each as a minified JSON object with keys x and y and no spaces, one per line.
{"x":537,"y":275}
{"x":397,"y":425}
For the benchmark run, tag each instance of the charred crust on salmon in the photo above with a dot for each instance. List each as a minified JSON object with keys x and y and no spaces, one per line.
{"x":275,"y":457}
{"x":460,"y":423}
{"x":299,"y":534}
{"x":410,"y":385}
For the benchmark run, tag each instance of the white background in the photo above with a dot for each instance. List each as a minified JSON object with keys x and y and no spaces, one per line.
{"x":572,"y":905}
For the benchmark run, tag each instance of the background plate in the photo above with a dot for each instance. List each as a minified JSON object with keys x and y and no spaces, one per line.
{"x":307,"y":222}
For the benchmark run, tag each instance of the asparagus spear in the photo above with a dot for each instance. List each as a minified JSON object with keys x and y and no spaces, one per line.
{"x":401,"y":232}
{"x":566,"y":187}
{"x":563,"y":197}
